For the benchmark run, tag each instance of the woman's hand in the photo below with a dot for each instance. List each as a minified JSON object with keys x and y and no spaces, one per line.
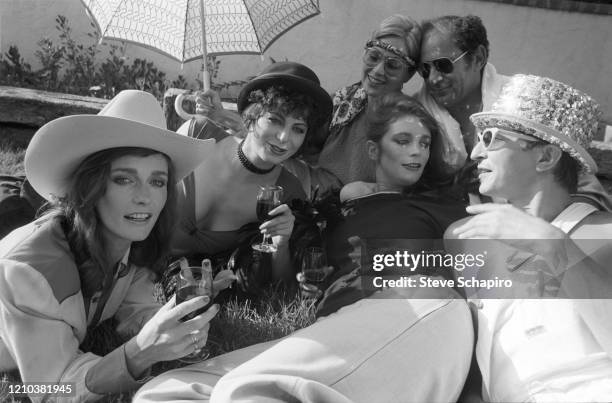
{"x":208,"y":102}
{"x":164,"y":337}
{"x":279,"y":227}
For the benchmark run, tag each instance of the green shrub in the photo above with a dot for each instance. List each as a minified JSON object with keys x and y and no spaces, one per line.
{"x":74,"y":68}
{"x":15,"y":71}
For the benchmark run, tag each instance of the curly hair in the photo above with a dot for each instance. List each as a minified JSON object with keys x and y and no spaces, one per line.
{"x":404,"y":28}
{"x":78,"y":210}
{"x":390,"y":108}
{"x":468,"y":32}
{"x":287,"y":102}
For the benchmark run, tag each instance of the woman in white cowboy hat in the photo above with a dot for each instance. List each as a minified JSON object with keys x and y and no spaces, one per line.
{"x":110,"y":180}
{"x":280,"y":108}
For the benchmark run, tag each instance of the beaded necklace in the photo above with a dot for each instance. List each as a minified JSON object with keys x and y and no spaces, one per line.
{"x":248,"y":165}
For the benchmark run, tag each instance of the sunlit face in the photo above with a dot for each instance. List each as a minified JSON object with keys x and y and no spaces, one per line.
{"x":402,"y":152}
{"x":449,"y":90}
{"x":135,"y":195}
{"x":277,"y":136}
{"x":506,"y":170}
{"x":376,"y":80}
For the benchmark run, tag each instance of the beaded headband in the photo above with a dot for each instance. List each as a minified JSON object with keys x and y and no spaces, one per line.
{"x":392,"y":49}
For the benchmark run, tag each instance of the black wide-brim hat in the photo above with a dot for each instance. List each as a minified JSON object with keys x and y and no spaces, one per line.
{"x":293,"y":76}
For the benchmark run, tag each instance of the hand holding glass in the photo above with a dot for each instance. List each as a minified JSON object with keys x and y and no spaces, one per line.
{"x":314,"y":265}
{"x":314,"y":271}
{"x":195,"y":281}
{"x":268,"y":198}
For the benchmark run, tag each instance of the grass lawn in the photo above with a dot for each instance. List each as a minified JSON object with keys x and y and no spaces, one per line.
{"x":11,"y":161}
{"x":238,"y":324}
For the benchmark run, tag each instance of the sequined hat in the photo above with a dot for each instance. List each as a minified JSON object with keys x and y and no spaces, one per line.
{"x":549,"y":110}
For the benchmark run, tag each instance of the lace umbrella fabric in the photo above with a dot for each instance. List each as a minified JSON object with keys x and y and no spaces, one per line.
{"x":174,"y":27}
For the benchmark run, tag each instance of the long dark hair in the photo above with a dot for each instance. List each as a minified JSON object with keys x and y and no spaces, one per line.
{"x":84,"y":229}
{"x":388,"y":109}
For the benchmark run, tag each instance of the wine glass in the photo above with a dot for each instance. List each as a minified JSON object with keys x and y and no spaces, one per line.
{"x":314,"y":271}
{"x":268,"y":198}
{"x":195,"y":281}
{"x":314,"y":265}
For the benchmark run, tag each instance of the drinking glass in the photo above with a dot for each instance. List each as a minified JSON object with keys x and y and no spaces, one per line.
{"x":314,"y":265}
{"x":313,"y":273}
{"x":195,"y":281}
{"x":227,"y":120}
{"x":268,"y":198}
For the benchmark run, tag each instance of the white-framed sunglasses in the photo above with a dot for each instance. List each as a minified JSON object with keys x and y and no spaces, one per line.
{"x":488,"y":136}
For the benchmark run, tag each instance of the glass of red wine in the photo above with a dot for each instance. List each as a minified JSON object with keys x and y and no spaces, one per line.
{"x":195,"y":281}
{"x":268,"y":198}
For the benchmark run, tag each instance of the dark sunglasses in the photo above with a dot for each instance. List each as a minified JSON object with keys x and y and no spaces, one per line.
{"x":488,"y":136}
{"x":443,"y":65}
{"x":394,"y":66}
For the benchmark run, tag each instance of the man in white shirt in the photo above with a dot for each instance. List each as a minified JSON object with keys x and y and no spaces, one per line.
{"x":555,"y":342}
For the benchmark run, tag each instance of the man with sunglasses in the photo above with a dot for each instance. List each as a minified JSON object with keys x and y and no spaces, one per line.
{"x":457,"y":78}
{"x":459,"y":81}
{"x":553,"y":341}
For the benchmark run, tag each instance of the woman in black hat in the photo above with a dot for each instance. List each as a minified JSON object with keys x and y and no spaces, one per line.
{"x":383,"y":334}
{"x":280,"y":108}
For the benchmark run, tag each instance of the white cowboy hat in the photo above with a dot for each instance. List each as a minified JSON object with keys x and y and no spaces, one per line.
{"x":131,"y":119}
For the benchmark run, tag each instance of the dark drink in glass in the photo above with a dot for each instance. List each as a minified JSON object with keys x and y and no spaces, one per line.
{"x":195,"y":281}
{"x":268,"y":198}
{"x":264,"y":207}
{"x":188,"y":292}
{"x":314,"y":264}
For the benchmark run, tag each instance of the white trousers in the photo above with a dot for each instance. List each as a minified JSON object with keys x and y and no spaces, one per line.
{"x":375,"y":350}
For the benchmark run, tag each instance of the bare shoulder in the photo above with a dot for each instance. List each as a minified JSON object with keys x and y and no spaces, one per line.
{"x":356,"y":189}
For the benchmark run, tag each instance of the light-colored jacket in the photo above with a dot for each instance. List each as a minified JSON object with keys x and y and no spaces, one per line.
{"x":43,"y":315}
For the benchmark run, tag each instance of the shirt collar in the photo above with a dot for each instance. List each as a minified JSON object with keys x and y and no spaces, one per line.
{"x":123,"y":266}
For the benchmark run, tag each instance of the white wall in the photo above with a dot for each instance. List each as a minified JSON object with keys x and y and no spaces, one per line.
{"x":572,"y":47}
